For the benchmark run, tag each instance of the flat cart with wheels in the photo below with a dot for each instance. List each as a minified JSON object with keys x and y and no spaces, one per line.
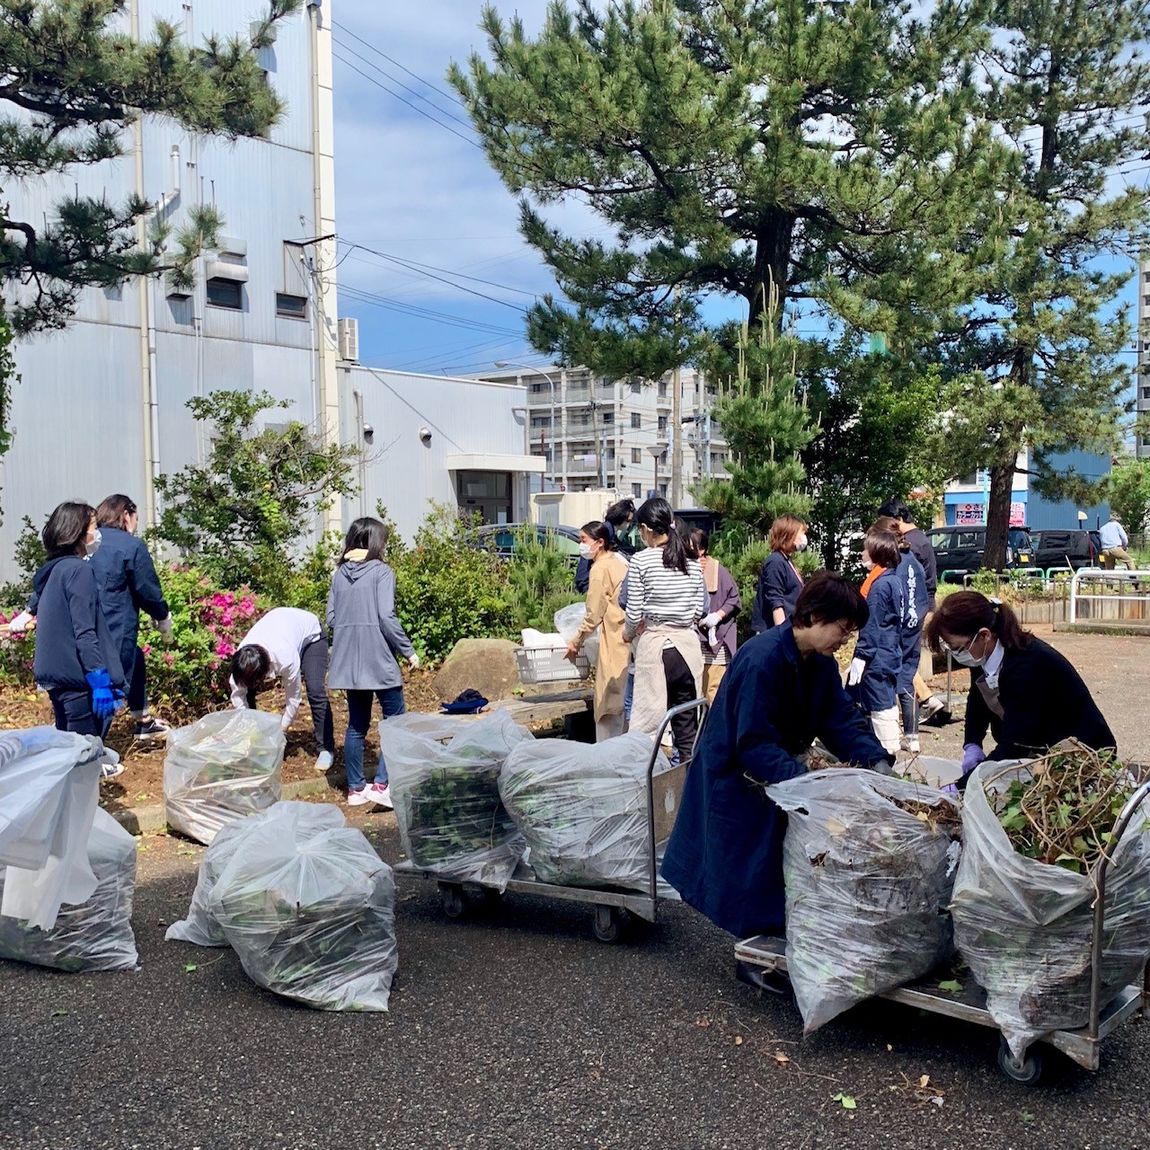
{"x":1081,"y":1046}
{"x":611,"y":906}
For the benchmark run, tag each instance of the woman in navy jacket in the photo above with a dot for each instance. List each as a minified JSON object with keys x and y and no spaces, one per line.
{"x":77,"y":661}
{"x":1022,"y":690}
{"x":128,"y":585}
{"x":782,"y":691}
{"x":779,"y":579}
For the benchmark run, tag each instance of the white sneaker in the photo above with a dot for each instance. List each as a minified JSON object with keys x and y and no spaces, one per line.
{"x":358,"y":798}
{"x":323,"y":761}
{"x":381,"y":796}
{"x":910,"y":743}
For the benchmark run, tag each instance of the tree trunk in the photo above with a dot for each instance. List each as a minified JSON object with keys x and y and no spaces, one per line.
{"x":998,"y":515}
{"x":768,"y":287}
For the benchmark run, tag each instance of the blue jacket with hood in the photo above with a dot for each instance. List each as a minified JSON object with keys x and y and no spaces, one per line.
{"x":128,"y":584}
{"x":72,"y":635}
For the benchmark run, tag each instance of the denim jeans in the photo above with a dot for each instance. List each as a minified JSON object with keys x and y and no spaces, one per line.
{"x":358,"y":721}
{"x":629,"y":693}
{"x":72,"y":711}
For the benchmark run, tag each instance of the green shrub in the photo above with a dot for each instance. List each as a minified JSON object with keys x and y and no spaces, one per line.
{"x":540,"y":580}
{"x":447,"y":589}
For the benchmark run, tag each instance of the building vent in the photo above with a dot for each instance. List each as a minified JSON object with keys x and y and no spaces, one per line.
{"x":349,"y":340}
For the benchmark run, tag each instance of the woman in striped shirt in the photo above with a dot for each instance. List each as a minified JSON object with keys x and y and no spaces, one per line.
{"x":666,"y":598}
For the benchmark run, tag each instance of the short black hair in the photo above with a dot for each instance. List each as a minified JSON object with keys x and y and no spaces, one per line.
{"x":827,"y":598}
{"x":621,"y":512}
{"x":366,"y":534}
{"x":67,"y":529}
{"x":896,"y":509}
{"x":250,"y":665}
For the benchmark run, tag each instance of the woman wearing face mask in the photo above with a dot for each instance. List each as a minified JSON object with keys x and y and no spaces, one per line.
{"x":126,"y":577}
{"x":779,"y":580}
{"x":597,"y":544}
{"x":1021,"y":689}
{"x":77,"y":660}
{"x":725,"y":854}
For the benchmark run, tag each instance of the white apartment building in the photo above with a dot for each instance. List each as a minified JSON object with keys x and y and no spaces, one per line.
{"x":594,"y":432}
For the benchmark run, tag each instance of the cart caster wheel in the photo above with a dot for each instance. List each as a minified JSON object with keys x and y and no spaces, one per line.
{"x":608,"y":924}
{"x":1025,"y":1071}
{"x":454,"y":904}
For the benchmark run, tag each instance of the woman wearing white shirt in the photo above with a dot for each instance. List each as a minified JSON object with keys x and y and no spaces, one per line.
{"x":666,"y":598}
{"x":287,"y":644}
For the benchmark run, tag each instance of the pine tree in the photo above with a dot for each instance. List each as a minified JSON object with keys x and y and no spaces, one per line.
{"x":766,"y":425}
{"x":76,"y":80}
{"x":1036,"y":357}
{"x":733,"y":147}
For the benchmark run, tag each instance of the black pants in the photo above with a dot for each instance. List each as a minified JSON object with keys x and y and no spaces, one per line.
{"x":137,"y":677}
{"x":313,"y":671}
{"x":73,"y":712}
{"x":680,"y":689}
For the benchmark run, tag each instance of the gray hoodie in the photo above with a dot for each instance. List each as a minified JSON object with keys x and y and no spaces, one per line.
{"x":366,"y":635}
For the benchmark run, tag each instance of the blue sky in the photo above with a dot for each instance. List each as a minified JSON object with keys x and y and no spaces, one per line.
{"x":413,"y":187}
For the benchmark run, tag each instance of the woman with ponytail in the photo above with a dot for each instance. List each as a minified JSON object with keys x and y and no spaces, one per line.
{"x":666,"y":598}
{"x":1021,"y":689}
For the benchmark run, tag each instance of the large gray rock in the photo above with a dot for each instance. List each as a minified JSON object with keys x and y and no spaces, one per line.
{"x":487,"y":665}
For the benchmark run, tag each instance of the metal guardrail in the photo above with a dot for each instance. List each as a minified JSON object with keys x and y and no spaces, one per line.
{"x":1102,"y":577}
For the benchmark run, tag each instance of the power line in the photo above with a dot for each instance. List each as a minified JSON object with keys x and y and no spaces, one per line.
{"x":418,"y":312}
{"x":413,"y":107}
{"x":371,"y":47}
{"x":416,"y":266}
{"x":405,"y":87}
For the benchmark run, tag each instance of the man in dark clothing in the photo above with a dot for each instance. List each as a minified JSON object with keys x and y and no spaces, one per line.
{"x":932,"y":707}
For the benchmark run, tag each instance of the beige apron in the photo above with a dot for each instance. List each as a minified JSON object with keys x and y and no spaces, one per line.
{"x":604,"y":613}
{"x":649,"y":705}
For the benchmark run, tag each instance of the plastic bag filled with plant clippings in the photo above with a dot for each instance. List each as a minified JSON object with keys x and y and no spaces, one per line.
{"x":452,"y":821}
{"x":1024,"y":926}
{"x":869,"y":863}
{"x":223,"y":767}
{"x":95,"y":934}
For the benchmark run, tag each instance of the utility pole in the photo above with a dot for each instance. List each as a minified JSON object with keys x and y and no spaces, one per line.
{"x":676,"y":438}
{"x":594,"y":405}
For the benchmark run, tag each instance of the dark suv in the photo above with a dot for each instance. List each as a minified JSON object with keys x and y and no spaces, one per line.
{"x":1059,"y":548}
{"x":958,"y":550}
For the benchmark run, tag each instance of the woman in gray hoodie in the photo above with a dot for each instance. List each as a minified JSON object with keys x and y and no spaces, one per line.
{"x":366,"y":639}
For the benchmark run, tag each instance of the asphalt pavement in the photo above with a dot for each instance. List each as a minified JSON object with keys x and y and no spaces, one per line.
{"x":515,"y":1030}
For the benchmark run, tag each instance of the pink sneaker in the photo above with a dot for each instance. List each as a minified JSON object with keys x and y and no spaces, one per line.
{"x":381,"y":796}
{"x":358,"y":798}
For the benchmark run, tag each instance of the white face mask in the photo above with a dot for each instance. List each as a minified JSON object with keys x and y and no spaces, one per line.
{"x":586,"y":551}
{"x":93,"y":545}
{"x":801,"y":543}
{"x":963,"y":657}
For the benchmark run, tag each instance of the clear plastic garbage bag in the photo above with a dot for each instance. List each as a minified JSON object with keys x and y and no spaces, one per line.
{"x":223,"y":767}
{"x":451,"y":819}
{"x":869,"y":863}
{"x":1024,"y":927}
{"x":582,"y":808}
{"x":49,"y":786}
{"x":200,"y":927}
{"x":309,"y":909}
{"x":568,"y":620}
{"x":97,"y":933}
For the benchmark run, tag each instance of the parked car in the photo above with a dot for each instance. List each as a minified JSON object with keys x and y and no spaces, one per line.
{"x":700,"y":517}
{"x":958,"y":550}
{"x":500,"y":538}
{"x":1059,"y":548}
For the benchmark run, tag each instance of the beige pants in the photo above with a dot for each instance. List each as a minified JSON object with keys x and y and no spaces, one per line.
{"x":885,"y":726}
{"x":712,"y":676}
{"x":921,"y":691}
{"x":1112,"y":556}
{"x":609,"y":726}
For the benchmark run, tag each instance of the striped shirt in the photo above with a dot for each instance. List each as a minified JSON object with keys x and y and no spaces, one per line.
{"x":658,"y":594}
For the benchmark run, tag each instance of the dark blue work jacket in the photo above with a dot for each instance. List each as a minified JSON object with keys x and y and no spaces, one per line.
{"x":725,"y":855}
{"x":126,"y":577}
{"x":880,"y":644}
{"x":778,"y":586}
{"x":916,"y":604}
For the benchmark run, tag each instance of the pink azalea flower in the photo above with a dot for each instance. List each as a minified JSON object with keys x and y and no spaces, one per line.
{"x":169,"y":658}
{"x":227,"y":618}
{"x":214,"y":664}
{"x":225,"y":649}
{"x":147,"y":648}
{"x":219,"y":600}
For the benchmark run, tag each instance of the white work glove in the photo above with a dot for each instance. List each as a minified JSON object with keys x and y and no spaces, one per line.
{"x":712,"y":620}
{"x":19,"y":624}
{"x":164,"y":626}
{"x":413,"y":660}
{"x":285,"y":724}
{"x":855,"y":673}
{"x":712,"y":638}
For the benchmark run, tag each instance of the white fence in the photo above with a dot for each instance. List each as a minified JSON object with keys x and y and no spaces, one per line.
{"x":1109,"y":596}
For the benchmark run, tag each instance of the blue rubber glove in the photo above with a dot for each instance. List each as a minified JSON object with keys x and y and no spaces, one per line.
{"x":971,"y":756}
{"x":103,"y":701}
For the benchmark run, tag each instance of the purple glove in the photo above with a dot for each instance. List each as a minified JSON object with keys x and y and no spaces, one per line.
{"x":971,"y":756}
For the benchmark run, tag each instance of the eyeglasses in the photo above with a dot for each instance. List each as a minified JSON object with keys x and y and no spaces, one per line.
{"x":947,"y":649}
